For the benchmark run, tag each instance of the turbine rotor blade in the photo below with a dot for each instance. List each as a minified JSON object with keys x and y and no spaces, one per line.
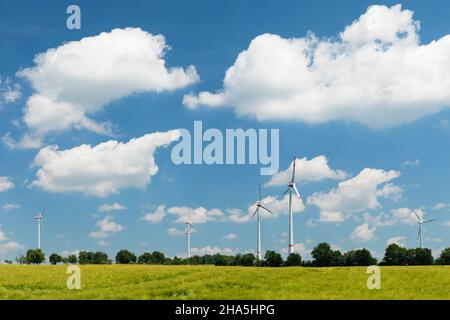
{"x":293,"y":170}
{"x":296,"y":191}
{"x":257,"y":208}
{"x":431,"y":220}
{"x":267,"y":209}
{"x":287,"y":190}
{"x":418,"y":218}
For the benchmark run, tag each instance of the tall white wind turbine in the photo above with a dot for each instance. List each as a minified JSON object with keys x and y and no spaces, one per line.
{"x":291,"y":186}
{"x":421,"y":222}
{"x":39,"y":220}
{"x":188,"y":224}
{"x":259,"y":206}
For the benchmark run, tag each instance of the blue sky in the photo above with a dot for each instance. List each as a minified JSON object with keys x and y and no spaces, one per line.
{"x":402,"y":136}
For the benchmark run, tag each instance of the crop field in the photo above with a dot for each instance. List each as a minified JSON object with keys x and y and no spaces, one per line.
{"x":210,"y":282}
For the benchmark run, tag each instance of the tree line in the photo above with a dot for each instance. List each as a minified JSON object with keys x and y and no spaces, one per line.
{"x":323,"y":256}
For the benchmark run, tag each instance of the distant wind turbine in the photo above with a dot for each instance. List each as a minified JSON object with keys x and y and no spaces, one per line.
{"x":259,"y":206}
{"x":291,"y":186}
{"x":420,"y":222}
{"x":39,"y":220}
{"x":188,"y":224}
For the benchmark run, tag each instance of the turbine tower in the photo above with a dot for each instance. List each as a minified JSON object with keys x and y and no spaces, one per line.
{"x":291,"y":186}
{"x":39,"y":220}
{"x":420,"y":222}
{"x":188,"y":234}
{"x":259,"y":206}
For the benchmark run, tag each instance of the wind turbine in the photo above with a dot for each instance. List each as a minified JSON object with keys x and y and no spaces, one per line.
{"x":39,"y":220}
{"x":420,"y":222}
{"x":188,"y":224}
{"x":259,"y":206}
{"x":291,"y":186}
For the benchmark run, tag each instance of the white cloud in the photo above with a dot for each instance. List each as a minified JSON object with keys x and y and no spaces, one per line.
{"x":211,"y":250}
{"x":278,"y":206}
{"x":356,"y":194}
{"x":103,"y":243}
{"x":173,"y":232}
{"x":411,"y":163}
{"x":363,"y":233}
{"x":440,"y":205}
{"x":230,"y":236}
{"x":103,"y":169}
{"x":407,"y":216}
{"x":10,"y":246}
{"x":3,"y":236}
{"x":198,"y":215}
{"x":157,"y":216}
{"x":111,"y":207}
{"x":67,"y":253}
{"x":447,"y":223}
{"x":106,"y":227}
{"x":381,"y":220}
{"x":376,"y":72}
{"x":5,"y":184}
{"x":79,"y":78}
{"x":301,"y":249}
{"x":307,"y":170}
{"x":9,"y":92}
{"x":400,"y":240}
{"x":331,"y":216}
{"x":11,"y":206}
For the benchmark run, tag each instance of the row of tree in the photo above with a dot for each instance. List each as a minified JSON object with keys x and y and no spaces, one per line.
{"x":323,"y":256}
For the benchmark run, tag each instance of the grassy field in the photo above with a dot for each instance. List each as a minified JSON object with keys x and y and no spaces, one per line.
{"x":209,"y":282}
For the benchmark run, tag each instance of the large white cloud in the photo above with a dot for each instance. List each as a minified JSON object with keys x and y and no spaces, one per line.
{"x":6,"y":184}
{"x":278,"y":206}
{"x":314,"y":169}
{"x":156,"y":216}
{"x":79,"y":78}
{"x":376,"y":72}
{"x":103,"y":169}
{"x":198,"y":215}
{"x":356,"y":194}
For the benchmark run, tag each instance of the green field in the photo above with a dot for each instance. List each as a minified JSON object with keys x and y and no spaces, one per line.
{"x":209,"y":282}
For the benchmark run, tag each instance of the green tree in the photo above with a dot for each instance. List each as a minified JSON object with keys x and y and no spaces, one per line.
{"x":55,"y":258}
{"x":125,"y":257}
{"x":35,"y":256}
{"x":100,"y":258}
{"x":158,"y":257}
{"x":420,"y":257}
{"x":444,"y":257}
{"x":395,"y":256}
{"x":293,"y":259}
{"x":324,"y":256}
{"x":145,"y":258}
{"x":360,"y":257}
{"x":86,"y":257}
{"x":248,"y":260}
{"x":72,"y":259}
{"x":273,"y":259}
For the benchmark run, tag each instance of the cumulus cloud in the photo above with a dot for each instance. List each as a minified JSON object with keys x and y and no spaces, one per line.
{"x":79,"y":78}
{"x":440,"y":205}
{"x":230,"y":236}
{"x":6,"y":246}
{"x":400,"y":240}
{"x":111,"y":207}
{"x":411,"y":163}
{"x":11,"y":206}
{"x":363,"y":233}
{"x":376,"y":72}
{"x":106,"y":227}
{"x":199,"y":215}
{"x":301,"y":249}
{"x":9,"y":92}
{"x":356,"y":194}
{"x":5,"y":184}
{"x":173,"y":232}
{"x":278,"y":206}
{"x":407,"y":216}
{"x":103,"y":169}
{"x":381,"y":220}
{"x":314,"y":169}
{"x":156,"y":216}
{"x":211,"y":250}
